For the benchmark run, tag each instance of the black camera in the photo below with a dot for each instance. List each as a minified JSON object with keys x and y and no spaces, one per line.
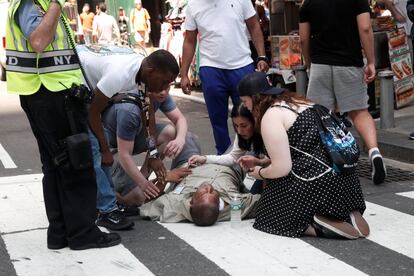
{"x":81,"y":92}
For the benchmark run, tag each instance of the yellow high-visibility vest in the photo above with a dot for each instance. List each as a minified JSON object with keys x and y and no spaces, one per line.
{"x":56,"y":67}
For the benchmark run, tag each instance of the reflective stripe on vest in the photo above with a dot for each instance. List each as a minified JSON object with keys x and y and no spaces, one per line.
{"x":46,"y":62}
{"x":56,"y":68}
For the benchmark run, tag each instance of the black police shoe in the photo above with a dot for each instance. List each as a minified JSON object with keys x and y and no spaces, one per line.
{"x":128,"y":211}
{"x":114,"y":220}
{"x":411,"y":136}
{"x":105,"y":240}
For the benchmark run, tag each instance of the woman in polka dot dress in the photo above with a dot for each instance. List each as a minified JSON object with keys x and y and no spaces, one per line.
{"x":302,"y":195}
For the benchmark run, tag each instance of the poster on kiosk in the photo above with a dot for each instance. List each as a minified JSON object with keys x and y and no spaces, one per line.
{"x":401,"y":65}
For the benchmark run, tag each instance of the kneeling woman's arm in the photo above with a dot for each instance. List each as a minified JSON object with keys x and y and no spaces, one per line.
{"x":277,"y":145}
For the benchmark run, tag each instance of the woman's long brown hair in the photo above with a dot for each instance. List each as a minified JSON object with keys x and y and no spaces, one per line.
{"x":262,"y":102}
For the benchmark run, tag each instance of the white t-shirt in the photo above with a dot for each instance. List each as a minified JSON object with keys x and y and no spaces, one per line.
{"x":401,"y":6}
{"x":113,"y":69}
{"x":222,"y":28}
{"x":105,"y":27}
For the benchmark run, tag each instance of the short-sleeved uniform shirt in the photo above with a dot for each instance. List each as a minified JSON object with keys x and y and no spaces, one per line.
{"x":334,"y":38}
{"x":124,"y":120}
{"x":222,"y":28}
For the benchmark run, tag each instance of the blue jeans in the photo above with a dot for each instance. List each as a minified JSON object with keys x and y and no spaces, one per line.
{"x":105,"y":198}
{"x":218,"y":85}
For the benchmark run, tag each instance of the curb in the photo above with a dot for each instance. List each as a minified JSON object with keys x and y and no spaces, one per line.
{"x":196,"y":99}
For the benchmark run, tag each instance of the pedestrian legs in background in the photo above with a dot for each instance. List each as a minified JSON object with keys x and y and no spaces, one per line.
{"x":365,"y":126}
{"x":218,"y":86}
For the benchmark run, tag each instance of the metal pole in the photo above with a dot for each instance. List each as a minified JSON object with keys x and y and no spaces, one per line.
{"x":386,"y":99}
{"x":301,"y":79}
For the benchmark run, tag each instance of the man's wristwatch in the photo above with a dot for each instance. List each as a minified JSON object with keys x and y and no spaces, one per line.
{"x":262,"y":58}
{"x":153,"y":154}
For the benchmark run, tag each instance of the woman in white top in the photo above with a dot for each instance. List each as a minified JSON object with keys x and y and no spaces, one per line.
{"x":247,"y":144}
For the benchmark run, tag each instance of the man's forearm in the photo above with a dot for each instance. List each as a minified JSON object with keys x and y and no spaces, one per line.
{"x":304,"y":34}
{"x":257,"y":38}
{"x":45,"y":32}
{"x":188,"y":54}
{"x":128,"y":164}
{"x":182,"y":128}
{"x":96,"y":126}
{"x":306,"y":53}
{"x":366,"y":36}
{"x":367,"y":41}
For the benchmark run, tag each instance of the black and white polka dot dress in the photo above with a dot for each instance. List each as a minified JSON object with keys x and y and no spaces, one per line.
{"x":288,"y":204}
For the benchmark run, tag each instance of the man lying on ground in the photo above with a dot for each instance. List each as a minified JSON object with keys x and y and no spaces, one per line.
{"x":203,"y":196}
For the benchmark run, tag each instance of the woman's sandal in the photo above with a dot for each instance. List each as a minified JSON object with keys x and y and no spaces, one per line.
{"x":334,"y":229}
{"x":359,"y":223}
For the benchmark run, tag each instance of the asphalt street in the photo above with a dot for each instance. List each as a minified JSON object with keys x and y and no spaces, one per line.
{"x":183,"y":249}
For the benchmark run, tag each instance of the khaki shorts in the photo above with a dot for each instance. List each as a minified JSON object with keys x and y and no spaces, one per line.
{"x":338,"y":88}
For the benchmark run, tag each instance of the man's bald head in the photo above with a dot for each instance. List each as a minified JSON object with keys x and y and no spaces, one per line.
{"x":205,"y":205}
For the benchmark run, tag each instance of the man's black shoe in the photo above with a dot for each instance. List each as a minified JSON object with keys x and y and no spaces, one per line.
{"x":105,"y":240}
{"x":129,"y":211}
{"x":114,"y":220}
{"x":411,"y":136}
{"x":57,"y":246}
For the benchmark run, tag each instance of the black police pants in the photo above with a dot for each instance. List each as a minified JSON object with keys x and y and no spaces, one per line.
{"x":69,"y":195}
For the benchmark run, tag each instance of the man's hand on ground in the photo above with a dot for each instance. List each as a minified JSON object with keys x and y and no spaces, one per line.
{"x":158,"y":167}
{"x":177,"y":175}
{"x":174,"y":148}
{"x":185,"y":84}
{"x":107,"y":158}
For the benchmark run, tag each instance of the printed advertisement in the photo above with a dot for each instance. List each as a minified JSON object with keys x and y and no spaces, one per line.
{"x":401,"y":65}
{"x":286,"y":51}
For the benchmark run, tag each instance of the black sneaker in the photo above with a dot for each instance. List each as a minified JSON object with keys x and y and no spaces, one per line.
{"x":411,"y":136}
{"x":129,"y":211}
{"x":114,"y":220}
{"x":105,"y":240}
{"x":379,"y":172}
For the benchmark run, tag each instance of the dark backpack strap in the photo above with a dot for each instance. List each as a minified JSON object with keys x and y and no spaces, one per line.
{"x":124,"y":98}
{"x":285,"y":106}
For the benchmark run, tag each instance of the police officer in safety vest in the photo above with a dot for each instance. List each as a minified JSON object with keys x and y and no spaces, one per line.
{"x":41,"y":66}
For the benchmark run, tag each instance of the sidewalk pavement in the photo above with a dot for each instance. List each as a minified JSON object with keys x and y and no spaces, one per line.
{"x":393,"y":143}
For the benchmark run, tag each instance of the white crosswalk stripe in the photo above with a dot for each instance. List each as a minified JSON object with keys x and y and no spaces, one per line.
{"x":241,"y":251}
{"x":244,"y":251}
{"x":5,"y":158}
{"x":407,"y":194}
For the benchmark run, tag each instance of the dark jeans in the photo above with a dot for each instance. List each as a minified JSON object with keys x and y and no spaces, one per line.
{"x":69,"y":195}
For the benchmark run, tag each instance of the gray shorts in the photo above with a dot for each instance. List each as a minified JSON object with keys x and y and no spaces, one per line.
{"x":338,"y":87}
{"x":123,"y":184}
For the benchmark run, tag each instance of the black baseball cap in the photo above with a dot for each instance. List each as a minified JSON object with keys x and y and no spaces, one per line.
{"x":255,"y":83}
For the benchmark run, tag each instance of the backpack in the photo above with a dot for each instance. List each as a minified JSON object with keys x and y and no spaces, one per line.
{"x":338,"y":141}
